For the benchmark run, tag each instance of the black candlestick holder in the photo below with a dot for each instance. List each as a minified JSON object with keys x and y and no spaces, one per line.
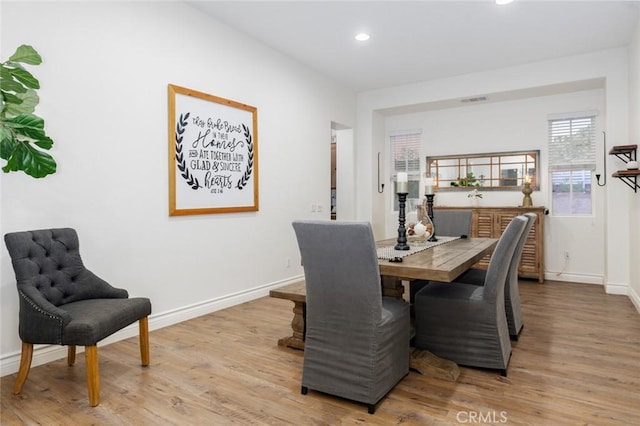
{"x":430,"y":214}
{"x":402,"y":230}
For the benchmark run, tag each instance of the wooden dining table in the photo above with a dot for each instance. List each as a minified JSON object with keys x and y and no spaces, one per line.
{"x":442,"y":262}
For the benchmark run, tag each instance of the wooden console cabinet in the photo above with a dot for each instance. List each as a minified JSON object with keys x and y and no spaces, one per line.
{"x":491,"y":222}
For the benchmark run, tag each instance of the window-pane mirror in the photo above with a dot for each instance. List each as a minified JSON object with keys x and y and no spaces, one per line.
{"x":493,"y":171}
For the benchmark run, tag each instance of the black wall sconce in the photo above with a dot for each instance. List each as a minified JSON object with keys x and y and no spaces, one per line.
{"x":604,"y":149}
{"x":380,"y":185}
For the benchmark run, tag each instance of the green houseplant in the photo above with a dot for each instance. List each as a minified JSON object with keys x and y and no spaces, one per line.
{"x":469,"y":180}
{"x":22,"y":136}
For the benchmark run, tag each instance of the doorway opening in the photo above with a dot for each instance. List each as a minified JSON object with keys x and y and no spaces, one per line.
{"x":343,"y":178}
{"x":333,"y":175}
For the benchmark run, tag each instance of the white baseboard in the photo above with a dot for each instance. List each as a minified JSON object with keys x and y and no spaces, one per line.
{"x":42,"y":354}
{"x":620,"y":289}
{"x":635,"y":298}
{"x":574,"y":278}
{"x":609,"y":288}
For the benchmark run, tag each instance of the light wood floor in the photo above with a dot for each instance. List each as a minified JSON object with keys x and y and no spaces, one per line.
{"x":577,"y":362}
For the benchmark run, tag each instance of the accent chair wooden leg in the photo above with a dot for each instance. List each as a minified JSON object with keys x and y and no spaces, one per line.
{"x":93,"y":374}
{"x":25,"y":365}
{"x":144,"y":340}
{"x":71,"y":355}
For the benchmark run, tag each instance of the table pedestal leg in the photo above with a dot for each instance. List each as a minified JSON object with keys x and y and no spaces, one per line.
{"x":392,"y":287}
{"x":431,"y":365}
{"x":298,"y":326}
{"x":421,"y":360}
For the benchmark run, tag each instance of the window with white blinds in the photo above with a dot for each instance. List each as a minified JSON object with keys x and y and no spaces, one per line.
{"x":572,"y":143}
{"x":405,"y":157}
{"x":572,"y":159}
{"x":405,"y":154}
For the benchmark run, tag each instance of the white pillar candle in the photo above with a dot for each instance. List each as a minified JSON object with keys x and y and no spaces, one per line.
{"x":402,"y":183}
{"x":428,"y":186}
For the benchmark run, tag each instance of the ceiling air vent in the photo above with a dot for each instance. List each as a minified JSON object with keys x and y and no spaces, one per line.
{"x":474,"y":99}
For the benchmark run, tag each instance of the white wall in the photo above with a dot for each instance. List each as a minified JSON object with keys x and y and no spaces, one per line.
{"x":634,"y":130}
{"x":610,"y":65}
{"x":516,"y":125}
{"x":104,"y":98}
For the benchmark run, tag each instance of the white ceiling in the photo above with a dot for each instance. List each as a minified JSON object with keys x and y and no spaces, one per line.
{"x":414,"y":41}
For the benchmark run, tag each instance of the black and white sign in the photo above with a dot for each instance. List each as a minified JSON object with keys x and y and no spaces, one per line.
{"x":213,"y":152}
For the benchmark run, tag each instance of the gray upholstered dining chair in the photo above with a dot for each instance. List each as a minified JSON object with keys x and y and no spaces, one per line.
{"x":466,"y":323}
{"x":63,"y":303}
{"x":513,"y":306}
{"x":450,"y":223}
{"x":357,"y":341}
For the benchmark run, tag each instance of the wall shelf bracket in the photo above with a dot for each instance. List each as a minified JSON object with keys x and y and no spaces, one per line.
{"x":631,"y":179}
{"x":630,"y":176}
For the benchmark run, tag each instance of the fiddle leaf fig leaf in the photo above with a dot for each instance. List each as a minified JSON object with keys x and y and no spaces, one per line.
{"x":12,"y":165}
{"x":10,"y":98}
{"x":25,"y":121}
{"x":44,"y":143}
{"x":5,"y":74}
{"x":7,"y":143}
{"x":32,"y":161}
{"x":38,"y":164}
{"x":30,"y":132}
{"x":13,"y":86}
{"x":25,"y":104}
{"x":25,"y":77}
{"x":27,"y":55}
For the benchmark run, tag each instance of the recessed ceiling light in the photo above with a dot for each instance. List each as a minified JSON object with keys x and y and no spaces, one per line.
{"x":363,"y":37}
{"x":503,"y":2}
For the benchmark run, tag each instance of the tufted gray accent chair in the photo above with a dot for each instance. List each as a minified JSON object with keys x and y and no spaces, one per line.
{"x":63,"y":303}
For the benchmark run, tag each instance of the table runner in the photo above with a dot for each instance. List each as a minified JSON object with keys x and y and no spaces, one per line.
{"x":388,"y":252}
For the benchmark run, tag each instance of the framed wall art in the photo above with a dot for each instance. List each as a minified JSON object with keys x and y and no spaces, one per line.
{"x":213,"y":154}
